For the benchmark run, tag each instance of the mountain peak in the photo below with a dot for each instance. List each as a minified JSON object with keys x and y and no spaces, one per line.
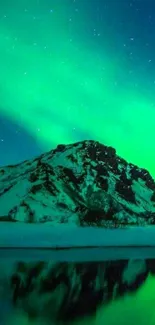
{"x":85,"y":184}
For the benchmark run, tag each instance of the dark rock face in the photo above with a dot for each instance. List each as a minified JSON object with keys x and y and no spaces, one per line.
{"x":85,"y":183}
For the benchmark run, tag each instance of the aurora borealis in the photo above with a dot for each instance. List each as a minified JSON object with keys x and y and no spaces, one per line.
{"x":76,"y":69}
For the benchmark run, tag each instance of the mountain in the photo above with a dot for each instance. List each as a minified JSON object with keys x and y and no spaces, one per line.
{"x":85,"y":184}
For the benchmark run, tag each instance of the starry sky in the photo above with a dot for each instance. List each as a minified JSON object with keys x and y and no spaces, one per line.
{"x":76,"y":69}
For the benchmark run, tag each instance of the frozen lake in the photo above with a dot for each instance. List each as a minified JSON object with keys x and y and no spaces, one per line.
{"x":69,"y":243}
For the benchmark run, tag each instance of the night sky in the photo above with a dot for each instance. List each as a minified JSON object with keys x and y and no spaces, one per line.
{"x":77,"y":69}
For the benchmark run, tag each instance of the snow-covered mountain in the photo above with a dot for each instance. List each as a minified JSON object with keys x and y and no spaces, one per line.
{"x":84,"y":183}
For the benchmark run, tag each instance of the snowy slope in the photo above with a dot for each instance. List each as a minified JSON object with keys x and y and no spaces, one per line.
{"x":20,"y":235}
{"x":43,"y":203}
{"x":82,"y":184}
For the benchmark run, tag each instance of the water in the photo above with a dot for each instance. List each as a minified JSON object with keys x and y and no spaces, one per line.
{"x":73,"y":70}
{"x":84,"y":282}
{"x":105,"y":292}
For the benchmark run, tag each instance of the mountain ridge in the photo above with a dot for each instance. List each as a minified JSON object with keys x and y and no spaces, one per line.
{"x":85,"y":183}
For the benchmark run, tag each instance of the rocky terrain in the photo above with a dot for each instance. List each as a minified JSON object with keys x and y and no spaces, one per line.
{"x":85,"y":183}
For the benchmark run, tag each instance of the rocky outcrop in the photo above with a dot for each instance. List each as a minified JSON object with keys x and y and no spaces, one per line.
{"x":85,"y":184}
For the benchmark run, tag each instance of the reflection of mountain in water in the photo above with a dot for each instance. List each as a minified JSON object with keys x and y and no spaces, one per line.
{"x":70,"y":292}
{"x":81,"y":184}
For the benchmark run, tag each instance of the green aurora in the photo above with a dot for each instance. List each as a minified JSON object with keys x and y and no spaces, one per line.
{"x":62,"y":79}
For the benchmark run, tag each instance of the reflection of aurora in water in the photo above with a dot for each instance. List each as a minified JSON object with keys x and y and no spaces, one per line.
{"x":136,"y":308}
{"x":116,"y":286}
{"x":80,"y":69}
{"x":70,"y":72}
{"x":133,"y":309}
